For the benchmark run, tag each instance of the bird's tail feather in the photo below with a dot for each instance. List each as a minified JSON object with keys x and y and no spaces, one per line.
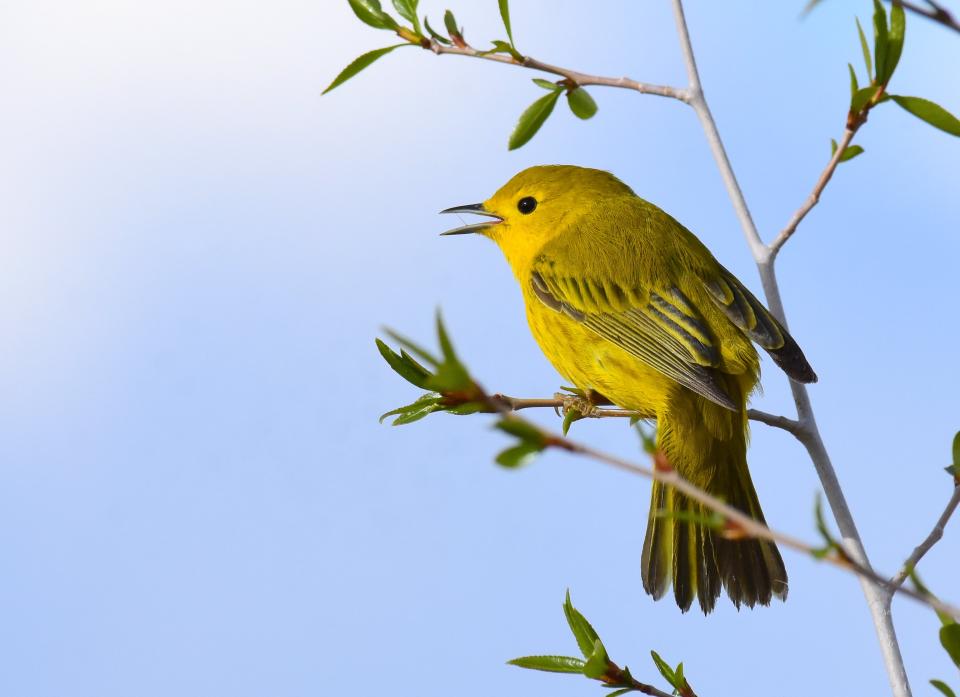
{"x":681,"y":545}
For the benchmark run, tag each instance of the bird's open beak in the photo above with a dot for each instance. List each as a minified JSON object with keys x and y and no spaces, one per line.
{"x":475,"y":209}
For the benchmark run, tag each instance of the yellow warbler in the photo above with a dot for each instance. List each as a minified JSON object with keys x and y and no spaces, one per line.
{"x":633,"y":309}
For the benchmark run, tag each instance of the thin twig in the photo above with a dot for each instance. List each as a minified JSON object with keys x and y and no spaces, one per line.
{"x":518,"y":403}
{"x":937,"y":12}
{"x":736,"y":523}
{"x":789,"y":425}
{"x":930,"y":541}
{"x":814,"y":196}
{"x":702,"y":109}
{"x":752,"y":528}
{"x":573,"y":76}
{"x":647,"y":689}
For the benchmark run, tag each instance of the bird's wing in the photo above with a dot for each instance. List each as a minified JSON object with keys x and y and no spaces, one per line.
{"x":661,"y":327}
{"x":754,"y":320}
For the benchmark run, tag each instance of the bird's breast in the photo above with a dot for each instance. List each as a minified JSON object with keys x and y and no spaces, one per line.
{"x":591,"y":362}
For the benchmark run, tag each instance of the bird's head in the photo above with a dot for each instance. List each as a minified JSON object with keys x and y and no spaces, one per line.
{"x":536,"y":205}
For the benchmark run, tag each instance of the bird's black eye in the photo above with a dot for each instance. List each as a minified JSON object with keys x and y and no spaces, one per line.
{"x":526,"y":205}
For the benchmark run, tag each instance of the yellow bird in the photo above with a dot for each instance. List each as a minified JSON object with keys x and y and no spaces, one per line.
{"x":632,"y":308}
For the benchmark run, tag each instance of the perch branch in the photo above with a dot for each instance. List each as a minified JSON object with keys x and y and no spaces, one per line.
{"x":518,"y":403}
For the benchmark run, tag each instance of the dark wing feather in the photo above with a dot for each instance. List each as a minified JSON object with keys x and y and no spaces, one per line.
{"x":754,"y":320}
{"x":666,"y":332}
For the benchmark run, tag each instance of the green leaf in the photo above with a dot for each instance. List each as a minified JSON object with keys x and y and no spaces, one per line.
{"x":525,"y":431}
{"x":410,"y":359}
{"x":503,"y":47}
{"x":451,"y":23}
{"x":467,"y":408}
{"x":411,"y":416}
{"x":581,"y":103}
{"x":569,"y":417}
{"x":860,"y":98}
{"x":850,"y":153}
{"x":920,"y":586}
{"x":665,"y":670}
{"x":898,"y":27}
{"x":621,"y":691}
{"x":404,"y":366}
{"x":546,"y":84}
{"x":532,"y":119}
{"x":950,"y":640}
{"x":551,"y":664}
{"x":446,"y":347}
{"x":370,"y":12}
{"x":518,"y":455}
{"x":928,"y":111}
{"x":866,"y":51}
{"x":425,"y":404}
{"x":359,"y":64}
{"x":945,"y":619}
{"x":598,"y":663}
{"x":585,"y":635}
{"x":450,"y":377}
{"x":880,"y":40}
{"x":682,"y":686}
{"x":943,"y":687}
{"x":505,"y":16}
{"x":407,"y":9}
{"x":437,"y":37}
{"x":854,"y":85}
{"x":404,"y":341}
{"x":821,"y":521}
{"x":956,"y":450}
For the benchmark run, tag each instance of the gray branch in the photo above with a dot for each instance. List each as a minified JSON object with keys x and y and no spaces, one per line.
{"x":930,"y":541}
{"x":877,"y":595}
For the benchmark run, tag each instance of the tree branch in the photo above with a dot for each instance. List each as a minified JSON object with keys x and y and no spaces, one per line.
{"x":877,"y":595}
{"x":735,"y":523}
{"x":557,"y":403}
{"x":573,"y":76}
{"x":744,"y":525}
{"x":814,"y":196}
{"x":789,"y":425}
{"x":935,"y":11}
{"x":928,"y":542}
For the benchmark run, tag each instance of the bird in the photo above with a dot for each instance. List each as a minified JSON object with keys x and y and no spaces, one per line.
{"x":634,"y":310}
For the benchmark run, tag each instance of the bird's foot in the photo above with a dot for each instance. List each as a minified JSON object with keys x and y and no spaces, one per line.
{"x":585,"y":403}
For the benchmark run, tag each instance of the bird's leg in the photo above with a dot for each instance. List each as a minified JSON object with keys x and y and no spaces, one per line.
{"x":584,"y":402}
{"x":597,"y":399}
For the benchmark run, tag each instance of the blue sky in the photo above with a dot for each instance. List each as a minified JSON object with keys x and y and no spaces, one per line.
{"x":195,"y":495}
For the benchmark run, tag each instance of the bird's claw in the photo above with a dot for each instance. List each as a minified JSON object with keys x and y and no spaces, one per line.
{"x":582,"y":405}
